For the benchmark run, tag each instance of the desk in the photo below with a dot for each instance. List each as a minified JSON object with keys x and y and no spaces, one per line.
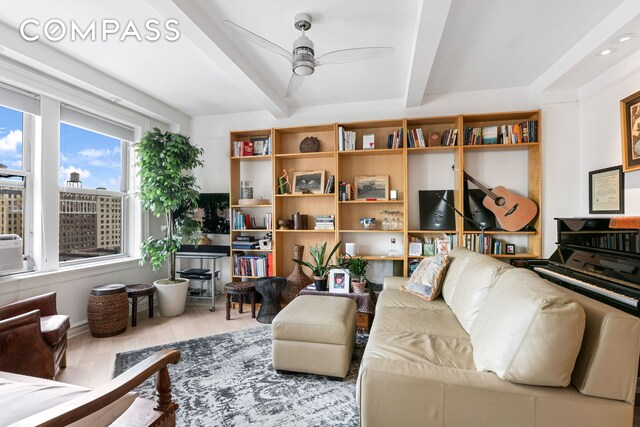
{"x":203,"y":253}
{"x":365,"y":303}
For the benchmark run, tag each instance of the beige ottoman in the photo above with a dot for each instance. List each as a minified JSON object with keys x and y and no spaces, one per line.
{"x":316,"y":335}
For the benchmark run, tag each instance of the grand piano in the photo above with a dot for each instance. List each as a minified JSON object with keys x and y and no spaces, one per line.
{"x":596,"y":259}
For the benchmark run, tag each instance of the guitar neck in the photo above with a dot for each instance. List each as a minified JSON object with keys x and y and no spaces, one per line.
{"x":484,"y":189}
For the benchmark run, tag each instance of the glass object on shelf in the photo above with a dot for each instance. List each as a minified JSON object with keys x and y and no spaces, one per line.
{"x":246,"y":189}
{"x":385,"y":221}
{"x":393,"y":249}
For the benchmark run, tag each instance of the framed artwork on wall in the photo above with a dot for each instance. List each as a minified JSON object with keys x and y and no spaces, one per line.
{"x":606,"y":191}
{"x":630,"y":126}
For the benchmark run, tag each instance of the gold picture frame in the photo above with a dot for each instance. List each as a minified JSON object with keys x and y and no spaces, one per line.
{"x":313,"y":181}
{"x":630,"y":126}
{"x":371,"y":187}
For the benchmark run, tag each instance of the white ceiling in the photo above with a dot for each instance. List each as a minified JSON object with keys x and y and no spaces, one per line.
{"x":440,"y":46}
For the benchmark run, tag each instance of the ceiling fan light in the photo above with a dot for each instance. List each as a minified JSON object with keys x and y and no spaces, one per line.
{"x":303,"y":70}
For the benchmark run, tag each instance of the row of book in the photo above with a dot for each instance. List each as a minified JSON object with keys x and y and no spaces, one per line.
{"x":518,"y":133}
{"x":346,"y":139}
{"x":329,"y":186}
{"x":244,"y":221}
{"x":394,"y":140}
{"x":415,"y":138}
{"x":252,"y":265}
{"x":492,"y":246}
{"x":256,"y":146}
{"x":325,"y":222}
{"x":617,"y":242}
{"x":344,"y":191}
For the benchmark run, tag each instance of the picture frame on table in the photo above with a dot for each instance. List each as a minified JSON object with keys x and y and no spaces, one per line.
{"x":630,"y":127}
{"x":339,"y":281}
{"x":371,"y":187}
{"x":606,"y":191}
{"x":305,"y":182}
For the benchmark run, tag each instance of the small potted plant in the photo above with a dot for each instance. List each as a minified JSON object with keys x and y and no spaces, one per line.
{"x":358,"y":268}
{"x":164,"y":160}
{"x":321,"y":266}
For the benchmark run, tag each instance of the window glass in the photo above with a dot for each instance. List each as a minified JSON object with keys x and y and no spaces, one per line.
{"x":11,"y":159}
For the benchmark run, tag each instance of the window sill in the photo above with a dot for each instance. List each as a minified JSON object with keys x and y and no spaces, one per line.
{"x":73,"y":271}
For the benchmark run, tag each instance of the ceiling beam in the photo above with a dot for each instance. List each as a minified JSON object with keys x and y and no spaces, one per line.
{"x":197,"y":23}
{"x":600,"y":34}
{"x":430,"y":23}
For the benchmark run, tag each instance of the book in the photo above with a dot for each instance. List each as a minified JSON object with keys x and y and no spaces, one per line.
{"x":340,"y":138}
{"x":490,"y":134}
{"x":247,"y":148}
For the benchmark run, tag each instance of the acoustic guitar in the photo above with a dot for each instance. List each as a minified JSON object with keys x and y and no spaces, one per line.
{"x":513,"y":212}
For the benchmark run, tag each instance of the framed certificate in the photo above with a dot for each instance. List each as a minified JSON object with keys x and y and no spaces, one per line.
{"x":606,"y":191}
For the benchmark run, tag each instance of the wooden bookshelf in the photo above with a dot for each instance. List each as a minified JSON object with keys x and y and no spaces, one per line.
{"x":438,"y":167}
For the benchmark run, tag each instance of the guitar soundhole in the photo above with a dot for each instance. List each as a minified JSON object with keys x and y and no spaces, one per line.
{"x":500,"y":201}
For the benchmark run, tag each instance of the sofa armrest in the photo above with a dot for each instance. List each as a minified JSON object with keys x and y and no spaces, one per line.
{"x":87,"y":404}
{"x":24,"y":350}
{"x":393,"y":282}
{"x":45,"y":303}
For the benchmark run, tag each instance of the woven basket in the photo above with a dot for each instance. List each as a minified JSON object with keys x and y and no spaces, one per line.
{"x":254,"y":202}
{"x":310,"y":144}
{"x":108,"y":314}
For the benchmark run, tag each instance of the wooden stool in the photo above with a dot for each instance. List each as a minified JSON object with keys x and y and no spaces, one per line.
{"x":140,"y":291}
{"x":108,"y":310}
{"x":240,"y":289}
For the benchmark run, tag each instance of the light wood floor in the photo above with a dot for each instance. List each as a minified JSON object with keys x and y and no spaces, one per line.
{"x":90,"y":360}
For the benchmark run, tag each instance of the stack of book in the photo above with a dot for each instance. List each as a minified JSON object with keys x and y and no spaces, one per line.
{"x":449,"y":138}
{"x":472,"y":136}
{"x":325,"y":222}
{"x":328,"y":188}
{"x":245,"y":243}
{"x":473,"y":242}
{"x":256,"y":146}
{"x":250,"y":266}
{"x":244,"y":221}
{"x":344,"y":191}
{"x":519,"y":133}
{"x":346,"y":139}
{"x":415,"y":138}
{"x":394,"y":140}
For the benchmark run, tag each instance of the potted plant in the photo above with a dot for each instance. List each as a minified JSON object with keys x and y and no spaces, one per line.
{"x":164,"y":158}
{"x":321,"y":266}
{"x":358,"y":268}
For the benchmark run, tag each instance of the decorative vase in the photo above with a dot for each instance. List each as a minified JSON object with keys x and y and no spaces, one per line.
{"x":359,"y":287}
{"x":297,"y":280}
{"x":321,"y":283}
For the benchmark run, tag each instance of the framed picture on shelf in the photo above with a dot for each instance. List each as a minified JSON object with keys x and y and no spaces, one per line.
{"x":308,"y":182}
{"x":630,"y":124}
{"x":606,"y":191}
{"x":372,"y":187}
{"x":260,"y":145}
{"x":443,"y":246}
{"x":339,"y":281}
{"x":415,"y":249}
{"x":511,"y":249}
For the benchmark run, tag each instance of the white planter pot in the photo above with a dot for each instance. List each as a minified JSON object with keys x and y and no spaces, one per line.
{"x":172,"y":297}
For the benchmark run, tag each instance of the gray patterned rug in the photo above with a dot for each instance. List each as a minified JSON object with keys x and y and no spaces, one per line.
{"x":228,"y":380}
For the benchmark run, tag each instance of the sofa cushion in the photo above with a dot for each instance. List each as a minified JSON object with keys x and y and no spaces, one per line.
{"x":458,"y":259}
{"x":27,"y":396}
{"x":54,"y":327}
{"x":416,"y":320}
{"x":528,"y":331}
{"x":473,"y":286}
{"x":426,"y":281}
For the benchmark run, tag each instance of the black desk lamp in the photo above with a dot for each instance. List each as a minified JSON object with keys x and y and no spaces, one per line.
{"x":482,"y":227}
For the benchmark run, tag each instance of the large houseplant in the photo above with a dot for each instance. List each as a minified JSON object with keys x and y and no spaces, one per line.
{"x":164,"y":159}
{"x":321,"y":265}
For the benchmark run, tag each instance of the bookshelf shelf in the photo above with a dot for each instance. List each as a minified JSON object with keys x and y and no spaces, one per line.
{"x":305,"y":231}
{"x":252,"y":250}
{"x":250,"y":206}
{"x":374,"y":152}
{"x":370,"y":202}
{"x":488,"y":233}
{"x":447,"y":149}
{"x":432,"y":231}
{"x":255,"y":158}
{"x":317,"y":154}
{"x":381,"y":258}
{"x":499,"y":147}
{"x":255,"y":230}
{"x":286,"y":196}
{"x":371,"y":231}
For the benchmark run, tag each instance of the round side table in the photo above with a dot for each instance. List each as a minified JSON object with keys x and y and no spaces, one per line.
{"x":241,"y":289}
{"x":271,"y":289}
{"x":140,"y":291}
{"x":108,"y":310}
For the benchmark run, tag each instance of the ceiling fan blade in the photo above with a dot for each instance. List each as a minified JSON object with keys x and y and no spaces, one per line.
{"x":352,"y":55}
{"x":295,"y":82}
{"x":256,"y":39}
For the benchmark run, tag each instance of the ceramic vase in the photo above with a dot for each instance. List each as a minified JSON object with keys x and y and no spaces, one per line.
{"x":297,"y":280}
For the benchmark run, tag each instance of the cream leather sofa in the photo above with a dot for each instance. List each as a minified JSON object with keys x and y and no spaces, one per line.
{"x":434,"y":363}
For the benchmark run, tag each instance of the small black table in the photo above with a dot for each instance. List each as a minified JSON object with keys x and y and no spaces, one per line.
{"x":137,"y":291}
{"x":271,"y":289}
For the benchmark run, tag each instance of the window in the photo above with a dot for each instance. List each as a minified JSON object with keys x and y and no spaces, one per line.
{"x":93,"y":184}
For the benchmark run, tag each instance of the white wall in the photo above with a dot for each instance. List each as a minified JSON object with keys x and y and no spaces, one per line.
{"x":212,"y":133}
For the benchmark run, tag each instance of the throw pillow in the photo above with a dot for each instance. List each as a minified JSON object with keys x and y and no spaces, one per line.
{"x":426,"y":281}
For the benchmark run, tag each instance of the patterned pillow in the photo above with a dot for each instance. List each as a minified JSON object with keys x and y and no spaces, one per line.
{"x":426,"y":281}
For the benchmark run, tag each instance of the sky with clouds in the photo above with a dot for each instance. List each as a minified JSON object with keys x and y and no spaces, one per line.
{"x":96,"y":157}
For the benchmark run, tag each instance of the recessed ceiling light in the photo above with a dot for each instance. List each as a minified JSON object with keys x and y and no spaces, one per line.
{"x":115,"y":100}
{"x":606,"y":52}
{"x":625,"y":37}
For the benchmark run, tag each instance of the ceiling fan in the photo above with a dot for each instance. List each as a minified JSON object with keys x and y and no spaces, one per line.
{"x":302,"y":58}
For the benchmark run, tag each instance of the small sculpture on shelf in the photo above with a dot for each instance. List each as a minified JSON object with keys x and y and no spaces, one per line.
{"x":284,"y":185}
{"x":310,"y":144}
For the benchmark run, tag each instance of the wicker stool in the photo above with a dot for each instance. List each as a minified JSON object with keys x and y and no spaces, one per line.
{"x":271,"y":289}
{"x":241,"y":289}
{"x":108,"y":310}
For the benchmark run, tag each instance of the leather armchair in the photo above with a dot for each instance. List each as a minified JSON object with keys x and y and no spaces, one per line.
{"x":33,"y":337}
